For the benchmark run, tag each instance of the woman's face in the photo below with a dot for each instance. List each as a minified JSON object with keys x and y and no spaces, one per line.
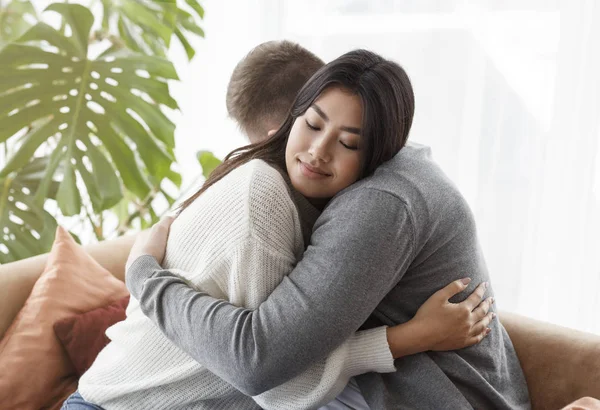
{"x":323,"y":150}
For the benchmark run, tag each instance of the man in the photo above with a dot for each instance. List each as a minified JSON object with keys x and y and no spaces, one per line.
{"x":378,"y":251}
{"x":264,"y":84}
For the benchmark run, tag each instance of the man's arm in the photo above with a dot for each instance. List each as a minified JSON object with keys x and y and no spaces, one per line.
{"x":360,"y":248}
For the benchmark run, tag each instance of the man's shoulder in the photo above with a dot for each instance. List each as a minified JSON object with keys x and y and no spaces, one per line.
{"x":256,"y":178}
{"x":253,"y":191}
{"x":268,"y":197}
{"x":264,"y":183}
{"x":258,"y":168}
{"x":262,"y":203}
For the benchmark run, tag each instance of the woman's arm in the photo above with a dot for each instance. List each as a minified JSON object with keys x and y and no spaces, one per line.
{"x":365,"y":351}
{"x":438,"y":325}
{"x":255,"y":270}
{"x":441,"y":325}
{"x":320,"y":304}
{"x":251,"y":265}
{"x":257,"y":350}
{"x":330,"y":293}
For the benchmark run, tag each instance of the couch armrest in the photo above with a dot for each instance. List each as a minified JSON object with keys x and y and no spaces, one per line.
{"x":17,"y":278}
{"x":561,"y":365}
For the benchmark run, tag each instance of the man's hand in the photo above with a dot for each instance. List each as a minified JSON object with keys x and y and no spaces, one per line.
{"x":153,"y":244}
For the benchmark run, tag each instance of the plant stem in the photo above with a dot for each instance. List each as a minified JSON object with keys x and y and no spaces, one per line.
{"x":138,"y":213}
{"x":97,"y":229}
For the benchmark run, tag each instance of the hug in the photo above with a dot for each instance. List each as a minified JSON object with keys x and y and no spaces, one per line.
{"x":329,"y":264}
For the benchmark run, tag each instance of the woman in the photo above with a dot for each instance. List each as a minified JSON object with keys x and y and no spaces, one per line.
{"x":239,"y":235}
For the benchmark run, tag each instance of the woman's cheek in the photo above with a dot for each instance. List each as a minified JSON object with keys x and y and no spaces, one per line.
{"x":352,"y":164}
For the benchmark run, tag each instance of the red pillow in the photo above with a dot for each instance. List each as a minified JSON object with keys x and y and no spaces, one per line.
{"x":84,"y":336}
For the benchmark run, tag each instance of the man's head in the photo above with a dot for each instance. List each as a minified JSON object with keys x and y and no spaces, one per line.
{"x":264,"y":84}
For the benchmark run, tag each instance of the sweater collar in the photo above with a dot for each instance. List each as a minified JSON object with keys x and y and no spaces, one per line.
{"x":308,"y":212}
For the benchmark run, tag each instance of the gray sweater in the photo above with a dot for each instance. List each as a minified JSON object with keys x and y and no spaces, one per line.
{"x":377,"y":252}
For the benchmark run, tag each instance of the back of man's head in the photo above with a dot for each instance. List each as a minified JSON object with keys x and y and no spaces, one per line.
{"x":264,"y":84}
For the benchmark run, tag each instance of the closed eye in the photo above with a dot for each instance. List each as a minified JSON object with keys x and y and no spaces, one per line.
{"x":350,"y":147}
{"x":312,"y":127}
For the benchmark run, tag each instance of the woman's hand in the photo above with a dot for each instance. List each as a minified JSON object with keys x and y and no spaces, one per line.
{"x":441,"y":325}
{"x":153,"y":242}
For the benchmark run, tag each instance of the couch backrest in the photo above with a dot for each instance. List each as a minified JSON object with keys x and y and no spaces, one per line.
{"x":16,"y":281}
{"x":561,"y":365}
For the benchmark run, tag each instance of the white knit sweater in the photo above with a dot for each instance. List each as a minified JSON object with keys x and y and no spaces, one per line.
{"x":236,"y":241}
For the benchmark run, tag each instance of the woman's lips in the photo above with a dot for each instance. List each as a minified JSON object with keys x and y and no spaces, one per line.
{"x":311,"y":172}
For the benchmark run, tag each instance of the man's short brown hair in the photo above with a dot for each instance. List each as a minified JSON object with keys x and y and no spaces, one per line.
{"x":264,"y":84}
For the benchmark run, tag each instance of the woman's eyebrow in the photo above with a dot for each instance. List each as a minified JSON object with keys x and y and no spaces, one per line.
{"x":351,"y":130}
{"x":319,"y":111}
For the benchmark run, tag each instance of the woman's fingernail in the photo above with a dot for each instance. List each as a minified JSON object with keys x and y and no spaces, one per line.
{"x":487,"y":332}
{"x":466,"y":281}
{"x":492,"y":301}
{"x":493,"y":315}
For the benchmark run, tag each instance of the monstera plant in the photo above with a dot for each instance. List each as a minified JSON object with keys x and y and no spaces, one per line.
{"x":83,"y":123}
{"x":15,"y":18}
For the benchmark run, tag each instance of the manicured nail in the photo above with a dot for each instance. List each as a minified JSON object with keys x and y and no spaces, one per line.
{"x":466,"y":281}
{"x":487,"y":332}
{"x":485,"y":285}
{"x":492,"y":301}
{"x":493,"y":315}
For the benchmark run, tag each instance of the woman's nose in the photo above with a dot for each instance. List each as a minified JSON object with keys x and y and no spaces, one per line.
{"x":319,"y":149}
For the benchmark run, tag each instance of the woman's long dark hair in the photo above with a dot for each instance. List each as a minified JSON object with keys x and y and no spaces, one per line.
{"x":388,"y":107}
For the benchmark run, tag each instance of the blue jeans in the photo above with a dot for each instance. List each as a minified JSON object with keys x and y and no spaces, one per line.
{"x":76,"y":402}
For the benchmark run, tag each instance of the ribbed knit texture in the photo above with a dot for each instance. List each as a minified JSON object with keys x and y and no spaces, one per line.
{"x":236,"y":241}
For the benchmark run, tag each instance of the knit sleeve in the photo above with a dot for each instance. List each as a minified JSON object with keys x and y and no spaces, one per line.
{"x":365,"y":351}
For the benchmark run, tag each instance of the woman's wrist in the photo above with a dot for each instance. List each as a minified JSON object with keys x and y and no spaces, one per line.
{"x":407,"y":338}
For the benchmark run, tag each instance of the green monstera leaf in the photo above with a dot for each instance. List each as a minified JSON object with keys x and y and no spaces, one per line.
{"x":27,"y":229}
{"x":208,"y":162}
{"x":147,"y":26}
{"x":103,"y":113}
{"x":14,"y":18}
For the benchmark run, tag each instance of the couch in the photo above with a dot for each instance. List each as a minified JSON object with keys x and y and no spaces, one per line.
{"x":560,"y":364}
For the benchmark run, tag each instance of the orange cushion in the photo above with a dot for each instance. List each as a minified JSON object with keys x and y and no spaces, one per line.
{"x":35,"y":370}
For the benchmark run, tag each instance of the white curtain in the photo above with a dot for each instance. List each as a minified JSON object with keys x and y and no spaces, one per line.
{"x":508,"y":97}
